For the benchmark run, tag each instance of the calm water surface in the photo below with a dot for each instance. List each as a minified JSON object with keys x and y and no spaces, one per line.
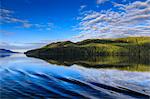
{"x":24,"y":78}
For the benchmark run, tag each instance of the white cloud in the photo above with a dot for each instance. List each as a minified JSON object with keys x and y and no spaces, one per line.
{"x":7,"y":17}
{"x":101,"y":1}
{"x":82,"y":7}
{"x":20,"y":47}
{"x":6,"y":33}
{"x":130,"y":20}
{"x":6,"y":12}
{"x":94,"y":15}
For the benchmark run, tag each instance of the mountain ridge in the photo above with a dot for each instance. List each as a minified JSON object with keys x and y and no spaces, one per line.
{"x":135,"y":46}
{"x":6,"y":51}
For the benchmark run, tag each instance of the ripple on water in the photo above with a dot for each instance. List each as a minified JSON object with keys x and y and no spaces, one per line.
{"x":28,"y":79}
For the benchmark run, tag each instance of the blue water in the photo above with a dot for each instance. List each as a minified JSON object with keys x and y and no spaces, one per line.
{"x":24,"y":78}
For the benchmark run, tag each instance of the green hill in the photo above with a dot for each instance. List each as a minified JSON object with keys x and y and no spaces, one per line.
{"x":130,"y":46}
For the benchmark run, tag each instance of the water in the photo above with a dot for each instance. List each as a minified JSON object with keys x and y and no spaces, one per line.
{"x":102,"y":78}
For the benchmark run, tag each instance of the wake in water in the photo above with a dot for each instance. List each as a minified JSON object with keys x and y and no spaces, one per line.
{"x":33,"y":85}
{"x":33,"y":78}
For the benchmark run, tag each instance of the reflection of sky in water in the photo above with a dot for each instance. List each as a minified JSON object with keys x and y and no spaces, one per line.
{"x":22,"y":63}
{"x":107,"y":76}
{"x":133,"y":80}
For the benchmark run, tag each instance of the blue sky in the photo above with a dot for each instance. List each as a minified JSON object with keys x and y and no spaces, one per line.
{"x":28,"y":24}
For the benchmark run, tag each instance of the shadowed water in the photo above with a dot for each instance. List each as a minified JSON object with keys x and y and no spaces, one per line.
{"x":105,"y":78}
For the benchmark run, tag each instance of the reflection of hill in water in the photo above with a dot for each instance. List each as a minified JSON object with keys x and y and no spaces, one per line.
{"x":4,"y":55}
{"x":130,"y":63}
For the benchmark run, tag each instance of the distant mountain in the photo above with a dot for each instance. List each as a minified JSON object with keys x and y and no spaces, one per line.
{"x":6,"y":51}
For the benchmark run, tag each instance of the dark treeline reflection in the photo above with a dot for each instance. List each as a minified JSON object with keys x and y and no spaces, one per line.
{"x":130,"y":63}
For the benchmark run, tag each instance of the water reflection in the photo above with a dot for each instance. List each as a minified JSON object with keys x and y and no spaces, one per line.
{"x":4,"y":55}
{"x":25,"y":77}
{"x":129,"y":63}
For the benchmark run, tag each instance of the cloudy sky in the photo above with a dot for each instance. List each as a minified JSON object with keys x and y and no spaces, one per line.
{"x":29,"y":24}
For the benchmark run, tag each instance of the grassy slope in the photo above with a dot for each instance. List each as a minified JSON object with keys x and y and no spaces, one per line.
{"x":91,"y":47}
